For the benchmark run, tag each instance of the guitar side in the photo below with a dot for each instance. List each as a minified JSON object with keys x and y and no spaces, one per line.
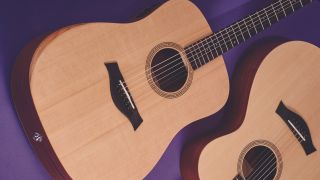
{"x":288,"y":74}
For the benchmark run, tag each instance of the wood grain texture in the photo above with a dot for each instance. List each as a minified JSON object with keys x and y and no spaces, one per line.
{"x":235,"y":108}
{"x":289,"y":73}
{"x":21,"y":95}
{"x":70,"y":89}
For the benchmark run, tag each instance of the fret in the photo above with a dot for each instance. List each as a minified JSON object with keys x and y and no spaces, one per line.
{"x":217,"y":44}
{"x":194,"y":63}
{"x":238,"y":26}
{"x":280,"y":10}
{"x":291,"y":5}
{"x":248,"y":30}
{"x":226,"y":42}
{"x":231,"y":41}
{"x":252,"y":28}
{"x":190,"y":56}
{"x":260,"y":21}
{"x":220,"y":39}
{"x":253,"y":23}
{"x":211,"y":44}
{"x":208,"y":49}
{"x":288,"y":7}
{"x":274,"y":11}
{"x":197,"y":57}
{"x":284,"y":11}
{"x":234,"y":34}
{"x":266,"y":16}
{"x":248,"y":25}
{"x":301,"y":3}
{"x":244,"y":30}
{"x":257,"y":22}
{"x":297,"y":4}
{"x":204,"y":52}
{"x":199,"y":54}
{"x":272,"y":16}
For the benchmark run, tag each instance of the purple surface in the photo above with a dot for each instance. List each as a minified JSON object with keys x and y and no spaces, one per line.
{"x":20,"y":21}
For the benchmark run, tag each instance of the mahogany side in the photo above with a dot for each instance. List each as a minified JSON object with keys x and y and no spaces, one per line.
{"x":29,"y":119}
{"x":235,"y":109}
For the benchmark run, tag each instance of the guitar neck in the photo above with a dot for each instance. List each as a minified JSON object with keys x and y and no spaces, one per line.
{"x":206,"y":49}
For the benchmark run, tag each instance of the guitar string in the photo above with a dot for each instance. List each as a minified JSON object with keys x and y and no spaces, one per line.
{"x":134,"y":86}
{"x":273,"y":165}
{"x":220,"y":41}
{"x":263,"y":165}
{"x":138,"y":98}
{"x":223,"y":42}
{"x":183,"y":66}
{"x":268,"y":160}
{"x":277,"y":140}
{"x":263,"y":154}
{"x":267,"y":164}
{"x":281,"y":161}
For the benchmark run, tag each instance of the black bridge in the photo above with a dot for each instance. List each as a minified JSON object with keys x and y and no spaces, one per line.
{"x":121,"y":96}
{"x":298,"y":127}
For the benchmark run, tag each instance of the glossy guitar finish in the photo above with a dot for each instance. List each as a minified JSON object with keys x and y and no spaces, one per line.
{"x":289,"y":74}
{"x":61,"y":89}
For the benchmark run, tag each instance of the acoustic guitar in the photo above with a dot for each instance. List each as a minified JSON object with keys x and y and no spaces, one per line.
{"x":279,"y":137}
{"x":104,"y":100}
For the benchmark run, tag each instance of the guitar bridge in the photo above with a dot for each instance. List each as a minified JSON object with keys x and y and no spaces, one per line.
{"x":127,"y":99}
{"x":298,"y":127}
{"x":121,"y":96}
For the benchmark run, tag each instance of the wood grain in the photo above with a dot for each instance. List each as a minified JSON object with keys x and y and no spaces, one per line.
{"x":70,"y":89}
{"x":235,"y":108}
{"x":21,"y":95}
{"x":289,"y":73}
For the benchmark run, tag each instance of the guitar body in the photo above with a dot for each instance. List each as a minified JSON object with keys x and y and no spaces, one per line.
{"x":288,"y":74}
{"x":61,"y":90}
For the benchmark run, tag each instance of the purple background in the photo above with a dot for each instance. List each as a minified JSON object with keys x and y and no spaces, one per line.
{"x":20,"y":21}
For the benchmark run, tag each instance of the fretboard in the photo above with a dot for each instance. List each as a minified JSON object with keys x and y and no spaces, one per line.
{"x":214,"y":45}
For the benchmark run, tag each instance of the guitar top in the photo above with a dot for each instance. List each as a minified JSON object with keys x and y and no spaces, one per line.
{"x":278,"y":138}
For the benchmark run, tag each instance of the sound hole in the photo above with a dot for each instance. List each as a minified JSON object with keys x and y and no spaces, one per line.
{"x":259,"y":163}
{"x":168,"y":70}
